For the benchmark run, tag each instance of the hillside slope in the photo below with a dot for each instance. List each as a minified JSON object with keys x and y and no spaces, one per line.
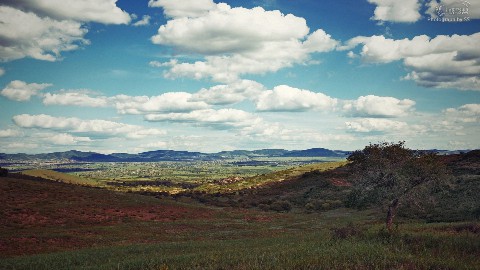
{"x":60,"y":177}
{"x":39,"y":215}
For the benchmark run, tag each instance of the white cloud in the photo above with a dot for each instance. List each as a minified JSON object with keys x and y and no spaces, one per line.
{"x":440,"y":62}
{"x":375,"y":106}
{"x":24,"y":34}
{"x":286,"y":98}
{"x":101,"y":11}
{"x":230,"y":93}
{"x":9,"y":133}
{"x":21,"y":145}
{"x":227,"y":30}
{"x":406,"y":11}
{"x":75,"y":98}
{"x":76,"y":125}
{"x":444,"y":70}
{"x":320,"y":41}
{"x":158,"y":64}
{"x":22,"y":91}
{"x":144,"y":21}
{"x":184,"y":8}
{"x":65,"y":139}
{"x":43,"y":29}
{"x":219,"y":119}
{"x":2,"y":72}
{"x":468,"y":113}
{"x":238,"y":41}
{"x":168,"y":102}
{"x":368,"y":125}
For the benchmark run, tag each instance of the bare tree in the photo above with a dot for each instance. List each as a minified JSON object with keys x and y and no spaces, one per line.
{"x":390,"y":174}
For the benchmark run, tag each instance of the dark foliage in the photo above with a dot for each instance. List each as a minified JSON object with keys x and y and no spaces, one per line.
{"x":349,"y":231}
{"x":3,"y":172}
{"x":390,"y":174}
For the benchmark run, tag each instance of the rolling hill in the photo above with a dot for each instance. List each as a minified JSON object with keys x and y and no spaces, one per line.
{"x":171,"y":155}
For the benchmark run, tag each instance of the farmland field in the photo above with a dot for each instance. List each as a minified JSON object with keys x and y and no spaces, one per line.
{"x":166,"y":176}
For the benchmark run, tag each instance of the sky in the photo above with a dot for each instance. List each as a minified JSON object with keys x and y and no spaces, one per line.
{"x":132,"y":76}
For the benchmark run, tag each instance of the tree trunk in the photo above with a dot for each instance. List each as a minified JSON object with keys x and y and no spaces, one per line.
{"x":392,"y":210}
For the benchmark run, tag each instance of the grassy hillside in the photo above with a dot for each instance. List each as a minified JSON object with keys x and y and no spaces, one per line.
{"x":60,"y":177}
{"x":293,"y":219}
{"x":51,"y":225}
{"x":238,"y":183}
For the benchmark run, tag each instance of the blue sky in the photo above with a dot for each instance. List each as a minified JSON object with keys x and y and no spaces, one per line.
{"x":202,"y":75}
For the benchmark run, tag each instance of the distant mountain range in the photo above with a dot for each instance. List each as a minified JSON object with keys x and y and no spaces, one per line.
{"x":171,"y":155}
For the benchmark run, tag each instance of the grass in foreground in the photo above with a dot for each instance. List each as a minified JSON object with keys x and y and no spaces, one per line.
{"x":416,"y":247}
{"x":49,"y":225}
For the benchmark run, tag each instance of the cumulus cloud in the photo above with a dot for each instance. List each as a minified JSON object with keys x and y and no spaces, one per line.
{"x":65,"y":139}
{"x":227,"y":30}
{"x":168,"y":102}
{"x":22,"y":91}
{"x":375,"y":106}
{"x":368,"y":125}
{"x":44,"y":29}
{"x":76,"y":125}
{"x":229,"y":93}
{"x":144,"y":21}
{"x":75,"y":98}
{"x":286,"y":98}
{"x":440,"y":62}
{"x":2,"y":72}
{"x":8,"y":133}
{"x":237,"y":41}
{"x":406,"y":11}
{"x":101,"y":11}
{"x":184,"y":8}
{"x":244,"y":124}
{"x":220,"y":119}
{"x":468,"y":113}
{"x":25,"y":34}
{"x":320,"y":41}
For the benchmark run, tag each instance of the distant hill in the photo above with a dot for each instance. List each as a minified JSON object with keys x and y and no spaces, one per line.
{"x":316,"y":152}
{"x":171,"y":155}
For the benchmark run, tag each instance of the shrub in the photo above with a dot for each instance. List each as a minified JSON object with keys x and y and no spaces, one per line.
{"x":346,"y":232}
{"x":3,"y":172}
{"x":281,"y":206}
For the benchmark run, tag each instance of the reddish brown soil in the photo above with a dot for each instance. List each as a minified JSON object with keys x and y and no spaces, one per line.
{"x":42,"y":216}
